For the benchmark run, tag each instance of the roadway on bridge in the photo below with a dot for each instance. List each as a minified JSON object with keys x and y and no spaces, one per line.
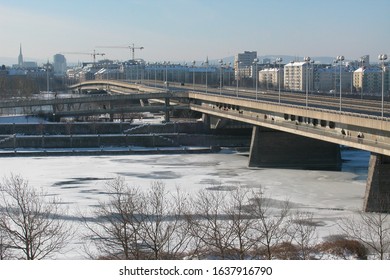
{"x":349,"y":103}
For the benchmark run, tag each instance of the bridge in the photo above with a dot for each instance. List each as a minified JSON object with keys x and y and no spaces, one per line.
{"x":293,"y":133}
{"x":97,"y":104}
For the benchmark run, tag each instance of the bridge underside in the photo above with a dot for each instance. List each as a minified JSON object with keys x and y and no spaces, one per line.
{"x":276,"y":149}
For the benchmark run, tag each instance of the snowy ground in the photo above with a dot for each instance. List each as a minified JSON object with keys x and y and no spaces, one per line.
{"x":79,"y":180}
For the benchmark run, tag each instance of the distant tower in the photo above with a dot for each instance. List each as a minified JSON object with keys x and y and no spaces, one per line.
{"x":59,"y":64}
{"x":20,"y":57}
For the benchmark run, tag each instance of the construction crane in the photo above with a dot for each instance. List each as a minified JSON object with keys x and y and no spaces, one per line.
{"x":131,"y":47}
{"x":94,"y":54}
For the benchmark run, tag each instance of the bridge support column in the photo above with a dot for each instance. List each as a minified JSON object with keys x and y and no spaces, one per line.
{"x":206,"y":120}
{"x":276,"y":149}
{"x":167,"y":103}
{"x":377,"y":198}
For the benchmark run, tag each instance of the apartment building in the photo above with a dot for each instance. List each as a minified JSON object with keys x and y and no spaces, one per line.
{"x":298,"y":76}
{"x":328,"y":79}
{"x":270,"y":78}
{"x":368,"y":80}
{"x":243,"y":64}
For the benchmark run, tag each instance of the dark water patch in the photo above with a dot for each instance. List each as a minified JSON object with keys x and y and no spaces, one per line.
{"x":168,"y":160}
{"x":223,"y":173}
{"x":330,"y":208}
{"x":234,"y":183}
{"x":155,"y":175}
{"x":128,"y":160}
{"x":70,"y":187}
{"x":208,"y":182}
{"x":279,"y":204}
{"x":83,"y":180}
{"x":94,"y":191}
{"x":221,"y":188}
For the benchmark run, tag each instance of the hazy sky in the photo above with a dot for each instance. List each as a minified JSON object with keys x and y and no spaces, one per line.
{"x":178,"y":30}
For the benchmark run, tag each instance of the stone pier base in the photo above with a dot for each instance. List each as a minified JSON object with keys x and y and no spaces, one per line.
{"x":377,"y":198}
{"x":276,"y":149}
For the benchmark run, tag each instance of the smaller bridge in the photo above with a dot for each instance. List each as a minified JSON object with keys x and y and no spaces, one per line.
{"x":89,"y":105}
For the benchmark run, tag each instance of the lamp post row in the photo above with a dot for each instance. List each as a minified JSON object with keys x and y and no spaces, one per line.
{"x":340,"y":59}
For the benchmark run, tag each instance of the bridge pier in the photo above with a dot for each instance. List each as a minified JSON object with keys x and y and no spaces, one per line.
{"x":167,"y":103}
{"x":276,"y":149}
{"x":377,"y":198}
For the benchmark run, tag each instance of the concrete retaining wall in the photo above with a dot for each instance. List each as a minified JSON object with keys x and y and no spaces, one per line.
{"x":98,"y":128}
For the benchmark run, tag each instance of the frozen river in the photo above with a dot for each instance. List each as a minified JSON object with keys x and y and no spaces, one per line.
{"x":79,"y":180}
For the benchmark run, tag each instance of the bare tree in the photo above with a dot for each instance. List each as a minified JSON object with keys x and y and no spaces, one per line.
{"x":134,"y":224}
{"x":371,"y":229}
{"x":270,"y":224}
{"x":303,"y":231}
{"x":31,"y":221}
{"x":210,"y":226}
{"x":240,"y":222}
{"x":5,"y":246}
{"x":114,"y":227}
{"x":163,"y":229}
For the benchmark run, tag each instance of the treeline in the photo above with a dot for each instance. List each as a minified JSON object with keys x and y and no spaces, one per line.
{"x":25,"y":86}
{"x":217,"y":223}
{"x":239,"y":223}
{"x":17,"y":86}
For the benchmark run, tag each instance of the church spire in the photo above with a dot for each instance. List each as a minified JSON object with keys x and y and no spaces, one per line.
{"x":20,"y":57}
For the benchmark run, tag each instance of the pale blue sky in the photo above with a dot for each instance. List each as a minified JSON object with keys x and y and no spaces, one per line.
{"x":178,"y":30}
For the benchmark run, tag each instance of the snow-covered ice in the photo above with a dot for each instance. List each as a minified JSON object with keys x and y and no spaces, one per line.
{"x":79,"y":180}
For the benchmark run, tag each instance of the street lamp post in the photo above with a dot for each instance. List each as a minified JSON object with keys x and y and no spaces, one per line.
{"x":193,"y":75}
{"x":307,"y":60}
{"x":238,"y":76}
{"x":255,"y":61}
{"x":340,"y":59}
{"x":207,"y":68}
{"x":166,"y":74}
{"x":220,"y":76}
{"x":362,"y":61}
{"x":279,"y":60}
{"x":383,"y":57}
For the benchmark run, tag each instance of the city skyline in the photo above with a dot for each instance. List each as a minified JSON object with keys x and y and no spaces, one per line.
{"x":194,"y":29}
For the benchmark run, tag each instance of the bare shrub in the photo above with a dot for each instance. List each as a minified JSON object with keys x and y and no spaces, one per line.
{"x":285,"y":251}
{"x":343,"y":248}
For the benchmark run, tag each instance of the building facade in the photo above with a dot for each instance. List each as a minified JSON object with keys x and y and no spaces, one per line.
{"x":59,"y":64}
{"x":298,"y":76}
{"x":244,"y":64}
{"x":368,"y":80}
{"x":270,"y":78}
{"x":327,"y":79}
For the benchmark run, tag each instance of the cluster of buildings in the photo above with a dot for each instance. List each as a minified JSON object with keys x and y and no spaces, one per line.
{"x":245,"y":71}
{"x":31,"y":69}
{"x":138,"y":70}
{"x":308,"y":75}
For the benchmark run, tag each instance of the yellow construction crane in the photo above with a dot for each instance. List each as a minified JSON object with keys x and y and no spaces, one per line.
{"x":94,"y":54}
{"x":131,"y":47}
